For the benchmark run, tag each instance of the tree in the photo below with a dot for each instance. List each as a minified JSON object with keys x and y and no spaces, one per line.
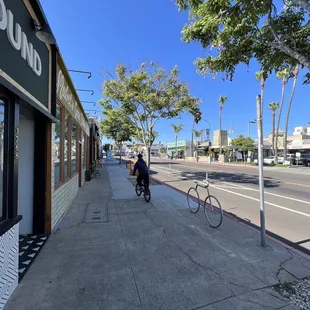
{"x":176,"y":130}
{"x":145,"y":96}
{"x":106,"y":147}
{"x":240,"y":30}
{"x":283,"y":75}
{"x":197,"y":134}
{"x":243,"y":144}
{"x":222,"y":100}
{"x":273,"y":106}
{"x":115,"y":127}
{"x":296,"y":71}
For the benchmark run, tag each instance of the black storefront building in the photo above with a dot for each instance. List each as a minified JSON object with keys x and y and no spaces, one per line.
{"x":27,"y":109}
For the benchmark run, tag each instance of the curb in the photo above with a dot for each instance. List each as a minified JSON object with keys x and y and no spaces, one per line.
{"x":305,"y":253}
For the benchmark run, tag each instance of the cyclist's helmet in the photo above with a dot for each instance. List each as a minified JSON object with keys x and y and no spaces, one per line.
{"x":140,"y":156}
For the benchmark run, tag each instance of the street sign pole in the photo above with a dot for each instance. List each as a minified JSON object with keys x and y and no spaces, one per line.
{"x":261,"y":169}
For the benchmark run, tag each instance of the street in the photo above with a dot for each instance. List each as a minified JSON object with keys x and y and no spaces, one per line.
{"x":287,"y":196}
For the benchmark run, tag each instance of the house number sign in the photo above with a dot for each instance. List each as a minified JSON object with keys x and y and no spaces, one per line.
{"x":16,"y":138}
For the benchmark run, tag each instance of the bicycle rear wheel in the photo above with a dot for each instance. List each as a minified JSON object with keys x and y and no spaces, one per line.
{"x":213,"y":211}
{"x":138,"y":189}
{"x":193,"y":200}
{"x":147,"y":194}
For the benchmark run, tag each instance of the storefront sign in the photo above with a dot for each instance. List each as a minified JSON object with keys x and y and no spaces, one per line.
{"x":19,"y":40}
{"x":24,"y":58}
{"x":65,"y":95}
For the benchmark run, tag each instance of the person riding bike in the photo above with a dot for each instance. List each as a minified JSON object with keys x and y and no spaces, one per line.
{"x":141,"y":166}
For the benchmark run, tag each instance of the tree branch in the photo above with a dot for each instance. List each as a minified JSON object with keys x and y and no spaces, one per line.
{"x":284,"y":47}
{"x":305,"y":4}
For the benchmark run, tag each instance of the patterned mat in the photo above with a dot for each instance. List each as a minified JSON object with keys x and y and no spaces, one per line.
{"x":29,"y":248}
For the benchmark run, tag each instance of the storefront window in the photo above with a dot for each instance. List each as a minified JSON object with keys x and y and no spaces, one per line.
{"x":57,"y":145}
{"x":73,"y":147}
{"x":83,"y":150}
{"x":66,"y":146}
{"x":2,"y":106}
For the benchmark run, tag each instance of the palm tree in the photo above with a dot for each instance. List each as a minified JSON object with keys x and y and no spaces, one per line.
{"x":296,"y":71}
{"x":197,"y":134}
{"x":222,"y":100}
{"x":273,"y":106}
{"x":261,"y":76}
{"x":176,"y":129}
{"x":283,"y":75}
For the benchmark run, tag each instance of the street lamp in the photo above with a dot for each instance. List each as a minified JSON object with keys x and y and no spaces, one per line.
{"x":249,"y":129}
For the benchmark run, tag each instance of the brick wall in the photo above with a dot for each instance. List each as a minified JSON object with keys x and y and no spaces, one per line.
{"x":8,"y":264}
{"x":62,"y":198}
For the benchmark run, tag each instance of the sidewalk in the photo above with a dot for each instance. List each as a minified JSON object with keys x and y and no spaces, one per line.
{"x":114,"y":251}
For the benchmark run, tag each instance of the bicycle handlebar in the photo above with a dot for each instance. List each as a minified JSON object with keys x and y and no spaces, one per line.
{"x":204,"y":183}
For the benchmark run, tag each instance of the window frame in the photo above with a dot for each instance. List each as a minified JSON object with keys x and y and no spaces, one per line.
{"x":76,"y":147}
{"x":61,"y":181}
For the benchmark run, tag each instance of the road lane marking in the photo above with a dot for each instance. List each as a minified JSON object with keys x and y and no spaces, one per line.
{"x":217,"y":170}
{"x":298,"y":184}
{"x":255,"y":199}
{"x":256,"y":190}
{"x":268,"y":193}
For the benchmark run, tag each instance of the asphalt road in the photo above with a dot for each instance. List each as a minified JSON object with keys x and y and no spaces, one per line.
{"x":287,"y":196}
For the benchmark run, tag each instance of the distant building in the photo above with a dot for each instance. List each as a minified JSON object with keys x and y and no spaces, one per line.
{"x":183,"y":149}
{"x":216,"y":138}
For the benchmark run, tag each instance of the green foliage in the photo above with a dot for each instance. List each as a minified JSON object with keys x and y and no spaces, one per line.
{"x":222,"y":100}
{"x":238,"y":31}
{"x":242,"y":143}
{"x":145,"y":96}
{"x":106,"y":147}
{"x":177,"y":128}
{"x":273,"y":106}
{"x":198,"y":133}
{"x":115,"y":126}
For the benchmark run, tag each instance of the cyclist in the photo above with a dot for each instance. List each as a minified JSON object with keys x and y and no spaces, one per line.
{"x":141,"y":166}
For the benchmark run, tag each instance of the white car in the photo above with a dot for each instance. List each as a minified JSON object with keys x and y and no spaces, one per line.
{"x":269,"y":160}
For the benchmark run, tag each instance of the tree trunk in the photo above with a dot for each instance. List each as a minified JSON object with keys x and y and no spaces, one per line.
{"x":176,"y":145}
{"x":279,"y":121}
{"x":273,"y":128}
{"x":288,"y":113}
{"x":220,"y":140}
{"x":197,"y":155}
{"x":148,"y":161}
{"x":192,"y":142}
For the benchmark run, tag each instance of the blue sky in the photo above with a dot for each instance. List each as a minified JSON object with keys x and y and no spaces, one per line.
{"x":96,"y":35}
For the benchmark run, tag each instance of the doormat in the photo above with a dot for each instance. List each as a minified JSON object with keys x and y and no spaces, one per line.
{"x":29,"y":248}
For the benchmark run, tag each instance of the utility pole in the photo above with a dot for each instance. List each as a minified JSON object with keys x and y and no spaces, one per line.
{"x":261,"y":169}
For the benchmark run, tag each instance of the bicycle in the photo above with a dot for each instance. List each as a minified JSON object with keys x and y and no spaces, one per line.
{"x":145,"y":190}
{"x":212,"y":207}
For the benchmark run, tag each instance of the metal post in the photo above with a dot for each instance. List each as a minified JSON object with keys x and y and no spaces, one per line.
{"x":249,"y":128}
{"x":261,"y":170}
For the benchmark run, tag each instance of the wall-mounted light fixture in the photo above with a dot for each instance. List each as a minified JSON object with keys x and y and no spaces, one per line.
{"x":88,"y":90}
{"x":94,"y":103}
{"x":44,"y":33}
{"x":91,"y":110}
{"x":78,"y":71}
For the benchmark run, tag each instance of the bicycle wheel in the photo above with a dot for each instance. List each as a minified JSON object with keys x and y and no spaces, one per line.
{"x":193,"y":200}
{"x":138,"y":189}
{"x":213,"y":211}
{"x":147,"y":194}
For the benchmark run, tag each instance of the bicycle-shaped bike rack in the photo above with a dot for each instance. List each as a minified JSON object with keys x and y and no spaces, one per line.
{"x":212,"y":207}
{"x":145,"y":190}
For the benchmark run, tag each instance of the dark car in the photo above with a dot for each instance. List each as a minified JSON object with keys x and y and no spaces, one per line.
{"x":306,"y":160}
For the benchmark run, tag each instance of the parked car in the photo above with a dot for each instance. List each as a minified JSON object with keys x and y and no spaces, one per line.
{"x":305,"y":159}
{"x":269,"y":160}
{"x":131,"y":155}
